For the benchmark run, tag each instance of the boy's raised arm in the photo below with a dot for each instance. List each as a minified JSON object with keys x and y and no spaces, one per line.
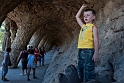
{"x":80,"y":22}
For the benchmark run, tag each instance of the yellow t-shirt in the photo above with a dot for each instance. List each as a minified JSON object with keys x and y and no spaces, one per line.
{"x":85,"y":39}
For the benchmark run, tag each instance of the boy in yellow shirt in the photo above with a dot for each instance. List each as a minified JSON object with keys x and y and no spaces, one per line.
{"x":87,"y":45}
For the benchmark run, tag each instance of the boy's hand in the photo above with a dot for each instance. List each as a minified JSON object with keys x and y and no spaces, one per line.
{"x":95,"y":58}
{"x":84,"y":5}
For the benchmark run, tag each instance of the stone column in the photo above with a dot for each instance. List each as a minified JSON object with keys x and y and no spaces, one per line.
{"x":36,"y":38}
{"x":6,"y":40}
{"x":28,"y":23}
{"x":13,"y":28}
{"x":42,"y":42}
{"x":22,"y":39}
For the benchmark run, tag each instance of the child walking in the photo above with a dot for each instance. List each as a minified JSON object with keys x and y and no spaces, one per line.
{"x":31,"y":64}
{"x":87,"y":45}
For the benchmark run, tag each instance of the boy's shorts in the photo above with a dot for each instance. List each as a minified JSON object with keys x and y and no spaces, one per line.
{"x":31,"y":66}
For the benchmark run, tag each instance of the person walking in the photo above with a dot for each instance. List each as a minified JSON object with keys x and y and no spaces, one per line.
{"x":24,"y":59}
{"x":36,"y":54}
{"x":41,"y":56}
{"x":31,"y":64}
{"x":5,"y":64}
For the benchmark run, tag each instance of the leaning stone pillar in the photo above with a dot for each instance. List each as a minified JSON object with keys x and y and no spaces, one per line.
{"x":13,"y":28}
{"x":23,"y":37}
{"x":27,"y":23}
{"x":36,"y":38}
{"x":45,"y":44}
{"x":42,"y":42}
{"x":6,"y":39}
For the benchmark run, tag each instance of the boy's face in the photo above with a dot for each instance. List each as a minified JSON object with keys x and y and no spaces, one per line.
{"x":88,"y":17}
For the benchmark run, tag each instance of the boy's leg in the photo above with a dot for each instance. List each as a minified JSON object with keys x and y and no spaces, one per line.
{"x":4,"y":72}
{"x":34,"y":73}
{"x":80,"y":65}
{"x":89,"y":65}
{"x":28,"y":73}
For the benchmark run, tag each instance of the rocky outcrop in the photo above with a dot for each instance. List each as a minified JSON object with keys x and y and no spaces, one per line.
{"x":52,"y":23}
{"x":111,"y":35}
{"x":70,"y":76}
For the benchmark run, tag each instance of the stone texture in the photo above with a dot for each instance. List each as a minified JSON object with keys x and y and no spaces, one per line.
{"x":6,"y":7}
{"x":52,"y":23}
{"x":37,"y":36}
{"x":1,"y":56}
{"x":13,"y":28}
{"x":6,"y":39}
{"x":71,"y":75}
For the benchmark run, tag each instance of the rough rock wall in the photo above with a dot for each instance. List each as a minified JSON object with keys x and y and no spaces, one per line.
{"x":29,"y":16}
{"x":110,"y":18}
{"x":111,"y":33}
{"x":62,"y":30}
{"x":65,"y":57}
{"x":28,"y":21}
{"x":6,"y":7}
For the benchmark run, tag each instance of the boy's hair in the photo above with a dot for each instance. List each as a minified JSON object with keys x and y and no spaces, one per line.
{"x":8,"y":49}
{"x":31,"y":51}
{"x":92,"y":10}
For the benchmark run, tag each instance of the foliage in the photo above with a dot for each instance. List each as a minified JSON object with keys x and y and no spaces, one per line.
{"x":2,"y":30}
{"x":1,"y":36}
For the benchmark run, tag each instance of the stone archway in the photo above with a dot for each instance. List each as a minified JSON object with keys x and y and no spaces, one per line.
{"x":59,"y":15}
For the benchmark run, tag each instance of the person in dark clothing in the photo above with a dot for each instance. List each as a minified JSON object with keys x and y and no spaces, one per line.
{"x":24,"y":59}
{"x":41,"y":56}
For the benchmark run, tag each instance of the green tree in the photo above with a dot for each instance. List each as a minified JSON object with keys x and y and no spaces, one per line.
{"x":1,"y":36}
